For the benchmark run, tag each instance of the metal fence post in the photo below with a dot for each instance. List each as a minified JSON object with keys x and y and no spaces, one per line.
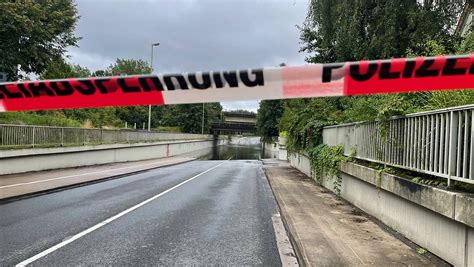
{"x":471,"y":168}
{"x":83,"y":137}
{"x":62,"y":136}
{"x":453,"y":132}
{"x":33,"y":137}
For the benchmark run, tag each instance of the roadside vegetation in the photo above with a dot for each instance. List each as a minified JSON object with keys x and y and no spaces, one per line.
{"x":36,"y":38}
{"x":338,"y":31}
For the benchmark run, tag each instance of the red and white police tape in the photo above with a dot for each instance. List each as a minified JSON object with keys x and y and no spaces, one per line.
{"x":318,"y":80}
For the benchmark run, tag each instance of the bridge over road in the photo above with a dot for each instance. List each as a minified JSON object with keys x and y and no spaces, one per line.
{"x":235,"y":123}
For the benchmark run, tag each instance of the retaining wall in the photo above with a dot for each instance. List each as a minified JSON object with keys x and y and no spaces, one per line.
{"x":26,"y":160}
{"x":439,"y":220}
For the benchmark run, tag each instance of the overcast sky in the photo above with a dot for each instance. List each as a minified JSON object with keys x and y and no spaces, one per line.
{"x":194,"y":35}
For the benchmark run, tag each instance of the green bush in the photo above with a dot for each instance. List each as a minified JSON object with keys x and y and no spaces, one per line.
{"x":326,"y":161}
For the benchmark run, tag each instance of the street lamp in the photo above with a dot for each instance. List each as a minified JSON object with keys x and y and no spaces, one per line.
{"x":151,"y":67}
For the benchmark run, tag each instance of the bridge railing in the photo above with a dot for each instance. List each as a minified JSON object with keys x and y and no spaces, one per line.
{"x":439,"y":142}
{"x":23,"y":136}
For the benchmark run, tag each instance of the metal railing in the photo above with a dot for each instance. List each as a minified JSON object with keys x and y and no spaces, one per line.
{"x":439,"y":142}
{"x":21,"y":136}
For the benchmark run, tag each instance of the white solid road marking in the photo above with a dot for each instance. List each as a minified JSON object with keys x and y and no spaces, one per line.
{"x":111,"y":219}
{"x":82,"y":174}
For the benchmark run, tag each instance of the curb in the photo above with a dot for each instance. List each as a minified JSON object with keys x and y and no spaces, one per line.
{"x":298,"y":250}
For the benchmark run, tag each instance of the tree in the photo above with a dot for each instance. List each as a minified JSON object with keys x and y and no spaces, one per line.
{"x":99,"y":73}
{"x":241,"y":111}
{"x":34,"y":33}
{"x":355,"y":30}
{"x":128,"y":67}
{"x":188,"y":117}
{"x":268,"y":118}
{"x":134,"y":114}
{"x":212,"y":113}
{"x":59,"y":69}
{"x":444,"y":99}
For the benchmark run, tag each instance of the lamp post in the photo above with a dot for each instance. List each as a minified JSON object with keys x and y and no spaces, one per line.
{"x":151,"y":67}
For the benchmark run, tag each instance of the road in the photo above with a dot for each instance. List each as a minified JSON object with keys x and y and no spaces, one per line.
{"x":200,"y":212}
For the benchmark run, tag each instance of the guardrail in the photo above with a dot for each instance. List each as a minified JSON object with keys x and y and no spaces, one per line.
{"x":21,"y":136}
{"x":439,"y":142}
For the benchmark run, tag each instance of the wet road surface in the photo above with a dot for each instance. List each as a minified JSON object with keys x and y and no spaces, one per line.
{"x":198,"y":212}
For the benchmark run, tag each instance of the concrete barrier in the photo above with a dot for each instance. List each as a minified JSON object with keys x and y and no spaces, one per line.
{"x":27,"y":160}
{"x":438,"y":220}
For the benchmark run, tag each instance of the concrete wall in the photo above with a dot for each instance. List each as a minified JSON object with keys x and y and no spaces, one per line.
{"x":438,"y":220}
{"x":300,"y":162}
{"x":26,"y":160}
{"x":282,"y":153}
{"x":276,"y":149}
{"x":270,"y":150}
{"x":245,"y":140}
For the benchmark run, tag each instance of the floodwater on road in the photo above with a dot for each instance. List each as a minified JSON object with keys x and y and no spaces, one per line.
{"x":236,"y":152}
{"x":239,"y":148}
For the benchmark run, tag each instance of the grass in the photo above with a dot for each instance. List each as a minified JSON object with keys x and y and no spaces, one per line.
{"x":30,"y":118}
{"x":168,"y":129}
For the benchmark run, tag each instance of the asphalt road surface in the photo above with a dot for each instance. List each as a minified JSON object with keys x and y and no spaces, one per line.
{"x":200,"y":212}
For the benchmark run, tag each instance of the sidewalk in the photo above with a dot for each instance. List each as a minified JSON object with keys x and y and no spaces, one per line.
{"x":14,"y":185}
{"x":327,"y":231}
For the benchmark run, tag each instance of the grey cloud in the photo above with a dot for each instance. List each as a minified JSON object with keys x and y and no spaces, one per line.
{"x":194,"y":35}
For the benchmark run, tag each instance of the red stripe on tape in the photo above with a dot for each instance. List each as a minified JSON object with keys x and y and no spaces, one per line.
{"x":79,"y":93}
{"x":409,"y":75}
